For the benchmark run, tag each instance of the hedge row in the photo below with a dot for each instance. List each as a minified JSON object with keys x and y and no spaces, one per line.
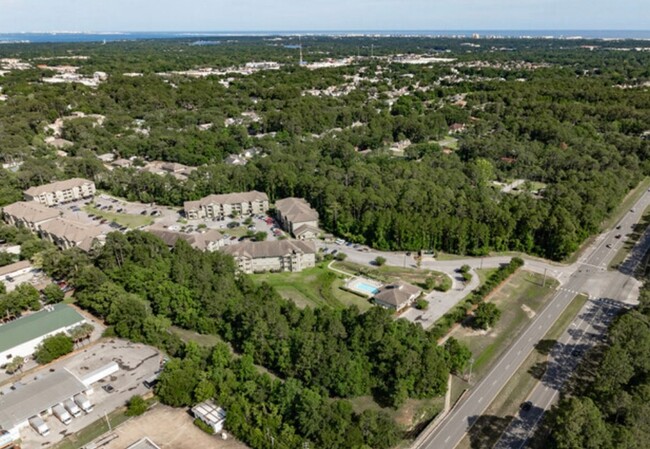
{"x":460,"y":311}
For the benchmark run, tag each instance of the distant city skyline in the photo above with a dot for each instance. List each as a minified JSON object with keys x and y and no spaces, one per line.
{"x":320,"y":15}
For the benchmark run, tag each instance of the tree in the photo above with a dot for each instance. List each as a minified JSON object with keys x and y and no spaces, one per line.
{"x":379,"y":261}
{"x":486,"y":315}
{"x":260,"y":236}
{"x":340,"y":256}
{"x":458,"y":353}
{"x":53,"y":294}
{"x":136,"y":406}
{"x":52,"y":348}
{"x":580,"y":425}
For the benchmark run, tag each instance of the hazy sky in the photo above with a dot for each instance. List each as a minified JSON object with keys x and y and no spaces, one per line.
{"x":277,"y":15}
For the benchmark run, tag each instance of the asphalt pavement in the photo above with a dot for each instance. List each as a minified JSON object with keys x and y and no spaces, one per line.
{"x":608,"y":292}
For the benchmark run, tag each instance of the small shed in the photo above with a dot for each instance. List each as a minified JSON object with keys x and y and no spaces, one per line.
{"x":211,"y":414}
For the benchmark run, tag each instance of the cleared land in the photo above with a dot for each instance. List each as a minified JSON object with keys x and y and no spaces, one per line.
{"x":489,"y":427}
{"x":519,"y":299}
{"x":387,"y":274}
{"x":128,"y":220}
{"x":313,"y":287}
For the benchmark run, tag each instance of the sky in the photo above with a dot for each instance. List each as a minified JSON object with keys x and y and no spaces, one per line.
{"x":321,"y":15}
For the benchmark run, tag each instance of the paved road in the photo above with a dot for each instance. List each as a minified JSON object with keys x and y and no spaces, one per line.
{"x":589,"y":275}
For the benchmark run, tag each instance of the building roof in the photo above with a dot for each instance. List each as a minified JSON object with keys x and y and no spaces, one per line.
{"x":37,"y":324}
{"x":79,"y":233}
{"x":296,"y":210}
{"x":31,"y":399}
{"x":275,"y":248}
{"x":56,"y":186}
{"x":227,"y":198}
{"x":12,"y":268}
{"x":210,"y":412}
{"x":31,"y":211}
{"x":397,"y":294}
{"x":303,"y":229}
{"x":144,"y":443}
{"x":197,"y":240}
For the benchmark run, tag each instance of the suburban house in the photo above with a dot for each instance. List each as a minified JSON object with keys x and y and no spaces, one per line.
{"x":397,"y":296}
{"x":221,"y":206}
{"x":293,"y":213}
{"x":278,"y":255}
{"x":457,"y":128}
{"x":179,"y":171}
{"x":210,"y":240}
{"x":66,"y":233}
{"x":30,"y":215}
{"x":61,"y":191}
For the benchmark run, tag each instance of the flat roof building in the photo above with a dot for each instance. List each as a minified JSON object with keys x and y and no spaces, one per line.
{"x":36,"y":398}
{"x":21,"y":336}
{"x":211,"y":414}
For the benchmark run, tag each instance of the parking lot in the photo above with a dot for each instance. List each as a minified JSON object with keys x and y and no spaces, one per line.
{"x":234,"y":228}
{"x":137,"y":362}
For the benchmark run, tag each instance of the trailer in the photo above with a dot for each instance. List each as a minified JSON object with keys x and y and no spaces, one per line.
{"x":82,"y":401}
{"x":62,"y":414}
{"x":39,"y":425}
{"x":72,"y":408}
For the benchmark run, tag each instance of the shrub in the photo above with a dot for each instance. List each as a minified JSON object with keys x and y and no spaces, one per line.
{"x":203,"y":426}
{"x":421,"y":304}
{"x":486,"y":315}
{"x":136,"y":406}
{"x":341,"y":256}
{"x":379,"y":261}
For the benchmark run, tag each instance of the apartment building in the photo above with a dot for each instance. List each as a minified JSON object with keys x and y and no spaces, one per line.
{"x":294,"y":213}
{"x":278,"y":255}
{"x":66,"y":233}
{"x":220,"y":206}
{"x":28,"y":214}
{"x":61,"y":191}
{"x":210,"y":240}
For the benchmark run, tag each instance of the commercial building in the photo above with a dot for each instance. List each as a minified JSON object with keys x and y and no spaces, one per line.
{"x":28,"y":214}
{"x":278,"y":255}
{"x":61,"y":191}
{"x":397,"y":296}
{"x":210,"y":240}
{"x":66,"y":233}
{"x":221,"y":206}
{"x":211,"y":414}
{"x":19,"y":338}
{"x":37,"y":399}
{"x":292,"y":213}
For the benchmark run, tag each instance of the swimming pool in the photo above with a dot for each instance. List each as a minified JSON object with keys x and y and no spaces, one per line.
{"x":366,"y":287}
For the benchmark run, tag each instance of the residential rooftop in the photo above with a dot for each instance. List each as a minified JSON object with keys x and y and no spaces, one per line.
{"x":57,"y":186}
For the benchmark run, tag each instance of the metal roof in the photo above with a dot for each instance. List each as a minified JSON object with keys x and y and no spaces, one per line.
{"x":31,"y":399}
{"x":37,"y":324}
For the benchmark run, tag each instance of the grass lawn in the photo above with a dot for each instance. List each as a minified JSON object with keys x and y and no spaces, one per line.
{"x":515,"y":392}
{"x":94,"y":430}
{"x":484,"y":274}
{"x":631,"y":239}
{"x":313,"y":287}
{"x":128,"y":220}
{"x":409,"y":416}
{"x":390,"y":274}
{"x":518,"y":300}
{"x":200,"y":339}
{"x":448,"y":142}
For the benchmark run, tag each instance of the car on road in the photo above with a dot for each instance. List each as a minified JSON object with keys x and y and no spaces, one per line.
{"x":609,"y":245}
{"x":618,"y":236}
{"x":618,"y":227}
{"x":632,"y":210}
{"x":526,"y":406}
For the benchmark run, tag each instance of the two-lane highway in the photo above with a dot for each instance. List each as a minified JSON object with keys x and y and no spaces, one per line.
{"x":587,"y":275}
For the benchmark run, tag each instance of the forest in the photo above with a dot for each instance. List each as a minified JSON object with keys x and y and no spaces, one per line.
{"x":570,"y":119}
{"x":140,"y":288}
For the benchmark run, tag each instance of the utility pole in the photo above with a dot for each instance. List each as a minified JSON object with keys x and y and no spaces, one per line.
{"x":544,"y":280}
{"x":471,"y":365}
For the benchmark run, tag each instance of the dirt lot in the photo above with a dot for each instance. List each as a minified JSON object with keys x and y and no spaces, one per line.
{"x":169,"y":428}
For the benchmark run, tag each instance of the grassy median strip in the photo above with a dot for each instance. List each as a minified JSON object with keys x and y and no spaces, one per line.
{"x":488,"y":429}
{"x":128,"y":220}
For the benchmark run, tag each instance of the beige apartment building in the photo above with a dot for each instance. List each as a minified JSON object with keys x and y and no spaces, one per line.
{"x":221,"y":206}
{"x":210,"y":240}
{"x":61,"y":191}
{"x":278,"y":255}
{"x":28,"y":214}
{"x":66,"y":233}
{"x":294,"y":213}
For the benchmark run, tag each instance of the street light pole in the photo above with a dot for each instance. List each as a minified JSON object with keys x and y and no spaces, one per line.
{"x":471,"y":365}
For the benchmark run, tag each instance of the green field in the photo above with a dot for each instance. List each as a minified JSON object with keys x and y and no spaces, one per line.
{"x":391,"y":274}
{"x":498,"y":415}
{"x":313,"y":287}
{"x":519,"y":299}
{"x":128,"y":220}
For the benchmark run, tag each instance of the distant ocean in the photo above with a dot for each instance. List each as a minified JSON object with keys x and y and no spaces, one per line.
{"x":127,"y":36}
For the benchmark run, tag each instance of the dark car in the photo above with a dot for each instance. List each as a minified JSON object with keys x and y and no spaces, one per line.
{"x":108,"y":388}
{"x":526,"y":406}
